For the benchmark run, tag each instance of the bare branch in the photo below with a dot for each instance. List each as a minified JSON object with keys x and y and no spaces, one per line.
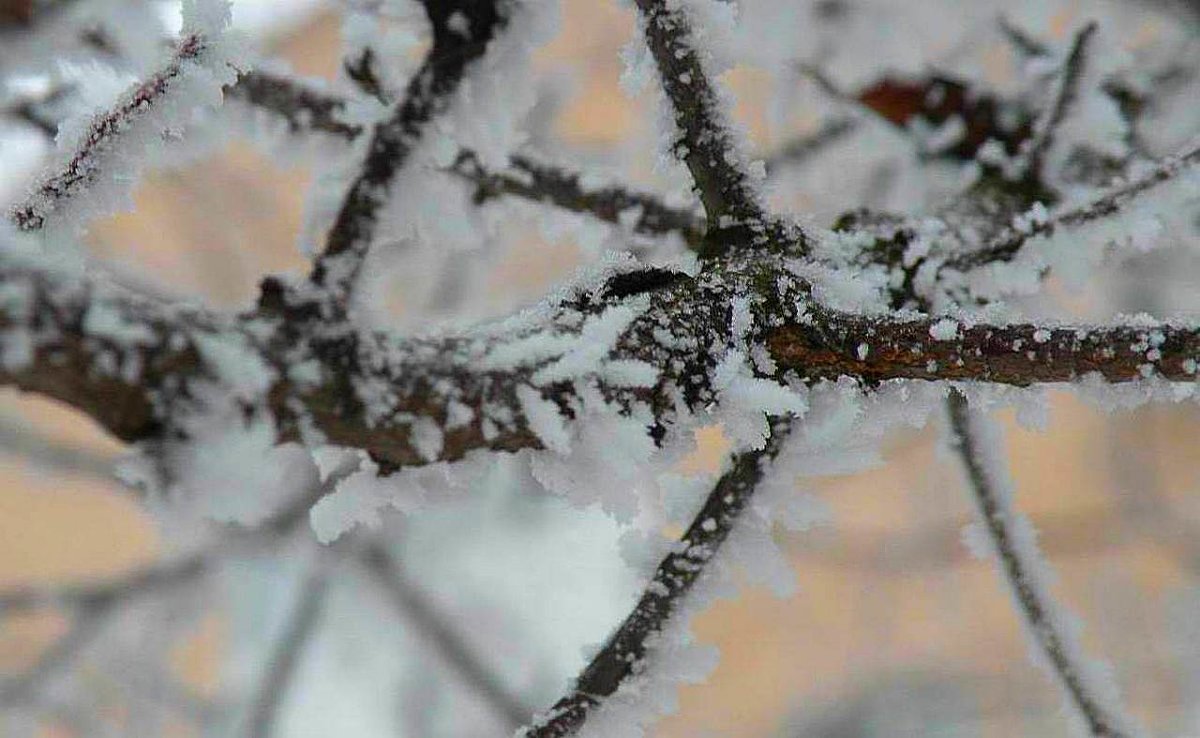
{"x":800,"y":150}
{"x":625,"y":650}
{"x":1018,"y":559}
{"x":392,"y":140}
{"x":435,"y":629}
{"x":285,"y":652}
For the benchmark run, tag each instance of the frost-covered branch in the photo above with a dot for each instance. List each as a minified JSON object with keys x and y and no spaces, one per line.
{"x":1065,"y":94}
{"x":1014,"y":545}
{"x":705,"y":143}
{"x":137,"y":115}
{"x":435,"y":629}
{"x":305,"y":109}
{"x":462,"y":31}
{"x":623,"y":655}
{"x":143,"y":370}
{"x":531,"y":180}
{"x":1008,"y":243}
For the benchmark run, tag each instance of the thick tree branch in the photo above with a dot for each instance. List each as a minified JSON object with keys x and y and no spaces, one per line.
{"x":1019,"y":561}
{"x":623,"y":654}
{"x":305,"y":109}
{"x":138,"y":367}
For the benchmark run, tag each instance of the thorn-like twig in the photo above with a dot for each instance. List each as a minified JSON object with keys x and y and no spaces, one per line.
{"x":1065,"y":94}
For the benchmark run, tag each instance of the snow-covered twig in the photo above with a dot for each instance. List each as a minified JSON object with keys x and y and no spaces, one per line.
{"x":705,"y":143}
{"x":415,"y":610}
{"x":461,"y":34}
{"x":1065,"y":94}
{"x":96,"y":150}
{"x":539,"y":182}
{"x":1008,"y":243}
{"x":623,"y":654}
{"x":1015,"y":548}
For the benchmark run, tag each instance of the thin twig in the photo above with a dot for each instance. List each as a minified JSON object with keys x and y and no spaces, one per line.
{"x":801,"y":149}
{"x":737,"y":219}
{"x":393,"y":139}
{"x":1065,"y":94}
{"x":624,"y":651}
{"x":82,"y":168}
{"x":1021,"y":564}
{"x":435,"y":629}
{"x":1008,"y":243}
{"x":285,"y":652}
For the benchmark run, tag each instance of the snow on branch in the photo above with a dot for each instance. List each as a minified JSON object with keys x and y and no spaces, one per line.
{"x":1007,"y":244}
{"x":1065,"y":93}
{"x":720,"y":170}
{"x":138,"y":367}
{"x":1012,"y":540}
{"x":99,"y":160}
{"x":461,"y":34}
{"x":623,"y":655}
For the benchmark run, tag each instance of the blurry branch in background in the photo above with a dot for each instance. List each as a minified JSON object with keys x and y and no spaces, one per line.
{"x":1066,"y":92}
{"x":1017,"y":557}
{"x":416,"y":610}
{"x":284,"y":654}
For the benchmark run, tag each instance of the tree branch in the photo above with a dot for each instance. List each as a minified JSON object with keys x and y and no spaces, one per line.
{"x":623,"y":654}
{"x":736,"y":217}
{"x":644,"y":213}
{"x":1007,"y":244}
{"x":285,"y":652}
{"x":435,"y":629}
{"x":1064,"y":97}
{"x":393,"y":139}
{"x":1019,"y":561}
{"x":84,"y":166}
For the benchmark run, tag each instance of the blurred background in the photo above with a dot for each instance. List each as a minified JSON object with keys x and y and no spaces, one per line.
{"x":896,"y":629}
